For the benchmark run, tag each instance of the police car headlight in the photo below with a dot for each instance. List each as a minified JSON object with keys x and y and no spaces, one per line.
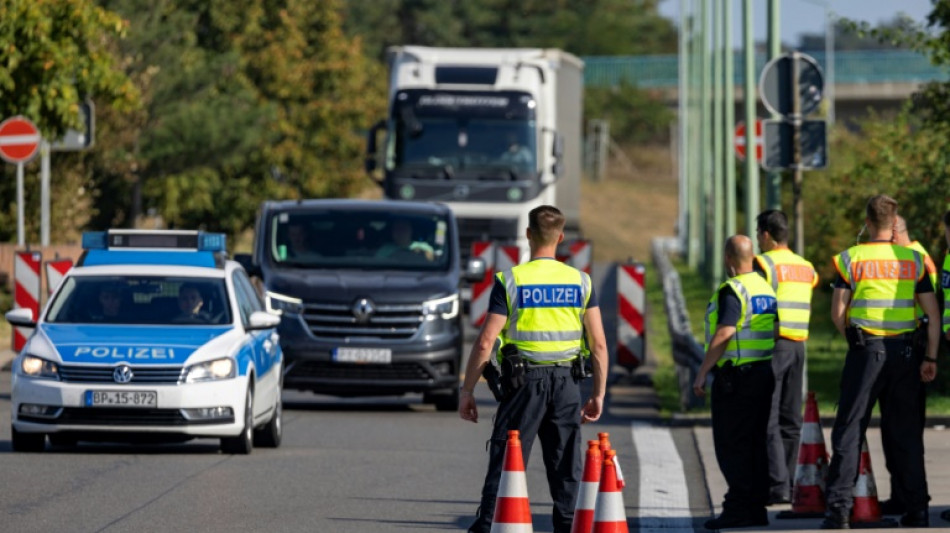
{"x":211,"y":370}
{"x":280,"y":303}
{"x":34,"y":367}
{"x":445,"y":308}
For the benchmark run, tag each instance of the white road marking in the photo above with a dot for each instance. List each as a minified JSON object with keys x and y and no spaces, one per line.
{"x":664,"y":496}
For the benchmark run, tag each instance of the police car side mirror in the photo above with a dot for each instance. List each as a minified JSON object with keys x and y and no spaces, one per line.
{"x":262,"y":320}
{"x":247,"y":262}
{"x":475,"y":270}
{"x":21,"y":317}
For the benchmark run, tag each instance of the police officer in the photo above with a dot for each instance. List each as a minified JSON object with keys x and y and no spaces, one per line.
{"x":895,"y":504}
{"x":540,"y":308}
{"x":873,"y":306}
{"x":741,"y":326}
{"x":792,"y":278}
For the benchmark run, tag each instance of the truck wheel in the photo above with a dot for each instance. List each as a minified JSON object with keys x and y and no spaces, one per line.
{"x":243,"y":443}
{"x":270,"y":435}
{"x":28,"y":442}
{"x":443,"y":400}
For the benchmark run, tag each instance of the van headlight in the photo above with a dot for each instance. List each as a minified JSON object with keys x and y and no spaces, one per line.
{"x":445,"y":308}
{"x":35,"y":367}
{"x":280,"y":303}
{"x":210,"y":370}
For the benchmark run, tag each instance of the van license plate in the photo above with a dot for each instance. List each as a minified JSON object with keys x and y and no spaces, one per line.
{"x":105,"y":398}
{"x":362,"y":355}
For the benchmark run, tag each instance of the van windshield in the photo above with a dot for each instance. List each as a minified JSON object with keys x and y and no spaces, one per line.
{"x":359,"y":239}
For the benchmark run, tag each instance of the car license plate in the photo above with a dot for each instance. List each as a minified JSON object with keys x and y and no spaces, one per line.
{"x":363,"y":355}
{"x":107,"y":398}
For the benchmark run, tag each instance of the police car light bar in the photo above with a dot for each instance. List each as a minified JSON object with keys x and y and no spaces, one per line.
{"x":171,"y":239}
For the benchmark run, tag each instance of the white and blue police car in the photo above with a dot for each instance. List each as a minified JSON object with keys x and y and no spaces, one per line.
{"x":152,"y":336}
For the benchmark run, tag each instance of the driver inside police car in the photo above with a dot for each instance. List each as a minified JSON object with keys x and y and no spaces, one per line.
{"x":110,"y":303}
{"x":190,"y":302}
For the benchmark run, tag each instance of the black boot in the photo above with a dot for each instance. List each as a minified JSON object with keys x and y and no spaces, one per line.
{"x":481,"y":523}
{"x":837,"y":519}
{"x":919,"y":518}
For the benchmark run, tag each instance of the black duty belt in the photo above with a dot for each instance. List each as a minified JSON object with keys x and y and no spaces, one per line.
{"x":532,"y":364}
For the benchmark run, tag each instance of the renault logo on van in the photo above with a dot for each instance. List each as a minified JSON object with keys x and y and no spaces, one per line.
{"x":122,"y":374}
{"x":363,"y":309}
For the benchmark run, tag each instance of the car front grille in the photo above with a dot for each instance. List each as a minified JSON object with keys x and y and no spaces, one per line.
{"x":358,"y":372}
{"x":103,"y":374}
{"x":115,"y":416}
{"x":388,"y":322}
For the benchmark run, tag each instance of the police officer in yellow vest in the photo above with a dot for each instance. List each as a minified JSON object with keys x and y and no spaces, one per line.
{"x":792,"y":278}
{"x":541,"y":309}
{"x":741,"y":326}
{"x":873,"y":306}
{"x":895,"y":504}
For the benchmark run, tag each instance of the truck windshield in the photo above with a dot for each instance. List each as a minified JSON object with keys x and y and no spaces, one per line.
{"x":453,"y":147}
{"x":360,"y":239}
{"x":153,"y":300}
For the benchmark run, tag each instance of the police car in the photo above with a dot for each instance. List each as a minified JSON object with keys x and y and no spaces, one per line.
{"x":152,"y":336}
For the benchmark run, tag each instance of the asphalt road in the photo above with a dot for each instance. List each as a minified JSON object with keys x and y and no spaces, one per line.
{"x":355,"y":465}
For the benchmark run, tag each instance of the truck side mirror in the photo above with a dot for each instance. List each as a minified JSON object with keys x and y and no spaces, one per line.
{"x":370,"y":162}
{"x":247,"y":262}
{"x":475,"y":270}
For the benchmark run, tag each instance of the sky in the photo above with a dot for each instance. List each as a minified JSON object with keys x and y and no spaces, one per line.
{"x":808,"y":16}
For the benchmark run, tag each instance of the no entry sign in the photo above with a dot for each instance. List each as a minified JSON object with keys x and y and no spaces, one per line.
{"x":19,"y":140}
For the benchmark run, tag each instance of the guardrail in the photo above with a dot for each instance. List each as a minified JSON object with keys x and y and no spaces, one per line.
{"x":851,"y":67}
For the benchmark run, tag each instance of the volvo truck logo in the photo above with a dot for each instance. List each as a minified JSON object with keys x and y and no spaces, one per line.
{"x":122,"y":374}
{"x":363,"y":309}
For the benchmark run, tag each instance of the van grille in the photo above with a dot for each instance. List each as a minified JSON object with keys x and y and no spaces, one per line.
{"x":388,"y":322}
{"x":103,"y":374}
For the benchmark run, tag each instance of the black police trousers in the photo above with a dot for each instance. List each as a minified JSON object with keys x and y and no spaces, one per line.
{"x":883,"y":368}
{"x":741,"y":403}
{"x":785,"y":420}
{"x":547,"y":406}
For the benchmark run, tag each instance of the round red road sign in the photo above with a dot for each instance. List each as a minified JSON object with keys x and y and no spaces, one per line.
{"x":19,"y":139}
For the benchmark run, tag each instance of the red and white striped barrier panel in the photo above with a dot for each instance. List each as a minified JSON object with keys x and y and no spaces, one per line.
{"x":26,"y":291}
{"x":581,"y":256}
{"x":481,"y":291}
{"x":506,"y":257}
{"x":631,"y":309}
{"x":55,"y":272}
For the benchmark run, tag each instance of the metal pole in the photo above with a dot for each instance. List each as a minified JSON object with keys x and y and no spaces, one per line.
{"x":774,"y":180}
{"x":20,"y":233}
{"x":682,"y":141}
{"x":730,"y":118}
{"x":718,"y":144}
{"x":705,"y":92}
{"x":44,"y":192}
{"x":797,"y":156}
{"x":830,"y":30}
{"x":695,"y":194}
{"x":751,"y":165}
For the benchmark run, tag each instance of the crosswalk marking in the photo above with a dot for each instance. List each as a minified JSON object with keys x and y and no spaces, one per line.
{"x":664,"y":497}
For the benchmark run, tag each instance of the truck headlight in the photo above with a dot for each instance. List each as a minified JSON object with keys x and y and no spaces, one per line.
{"x":34,"y":367}
{"x":210,"y":370}
{"x":280,"y":303}
{"x":445,"y":308}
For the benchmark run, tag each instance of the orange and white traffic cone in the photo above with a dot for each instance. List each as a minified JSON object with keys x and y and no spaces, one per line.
{"x":512,"y":508}
{"x":604,"y":446}
{"x":866,"y":511}
{"x":610,"y":515}
{"x":811,"y":472}
{"x":587,"y":495}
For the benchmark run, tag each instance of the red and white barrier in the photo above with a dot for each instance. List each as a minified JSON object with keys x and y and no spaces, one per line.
{"x":26,"y":292}
{"x":631,"y":307}
{"x":581,"y":256}
{"x":481,"y":291}
{"x":506,"y":257}
{"x":55,"y":272}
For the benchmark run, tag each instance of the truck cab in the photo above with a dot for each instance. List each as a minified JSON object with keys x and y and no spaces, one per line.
{"x":368,"y":294}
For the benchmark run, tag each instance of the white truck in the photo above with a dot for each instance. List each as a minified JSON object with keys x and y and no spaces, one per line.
{"x":492,"y":133}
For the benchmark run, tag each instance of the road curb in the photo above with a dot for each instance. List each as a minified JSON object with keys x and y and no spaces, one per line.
{"x":6,"y":359}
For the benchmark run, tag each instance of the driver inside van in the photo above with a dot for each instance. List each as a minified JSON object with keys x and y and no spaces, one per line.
{"x":401,"y":242}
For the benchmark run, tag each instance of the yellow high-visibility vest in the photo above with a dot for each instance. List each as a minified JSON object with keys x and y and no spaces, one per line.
{"x":546,"y":304}
{"x":754,"y":339}
{"x":883,"y":278}
{"x":792,"y":278}
{"x":929,"y":267}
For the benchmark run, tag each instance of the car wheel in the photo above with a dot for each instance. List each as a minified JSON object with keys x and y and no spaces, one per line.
{"x":243,"y":443}
{"x":28,"y":442}
{"x":269,"y":436}
{"x":444,"y":400}
{"x":58,"y":439}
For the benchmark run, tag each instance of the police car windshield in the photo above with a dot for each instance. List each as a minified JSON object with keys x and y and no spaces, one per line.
{"x":151,"y":300}
{"x":329,"y":238}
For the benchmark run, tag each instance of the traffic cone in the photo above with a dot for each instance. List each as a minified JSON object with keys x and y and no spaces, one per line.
{"x":587,"y":495}
{"x":512,"y":509}
{"x":811,"y":472}
{"x":610,"y":515}
{"x":866,"y":511}
{"x":604,"y":446}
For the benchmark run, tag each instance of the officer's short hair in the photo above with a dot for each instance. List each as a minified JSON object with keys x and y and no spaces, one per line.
{"x":775,"y":222}
{"x":546,"y":223}
{"x":881,"y":210}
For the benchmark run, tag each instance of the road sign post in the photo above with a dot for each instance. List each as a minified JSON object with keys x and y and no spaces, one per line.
{"x":19,"y":142}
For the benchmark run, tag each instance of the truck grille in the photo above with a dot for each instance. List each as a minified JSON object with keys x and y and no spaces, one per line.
{"x":103,"y":374}
{"x":388,"y":322}
{"x":360,"y":372}
{"x":503,"y":230}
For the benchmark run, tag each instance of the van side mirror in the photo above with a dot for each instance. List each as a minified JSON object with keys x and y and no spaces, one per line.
{"x":370,"y":162}
{"x":475,"y":270}
{"x":247,"y":262}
